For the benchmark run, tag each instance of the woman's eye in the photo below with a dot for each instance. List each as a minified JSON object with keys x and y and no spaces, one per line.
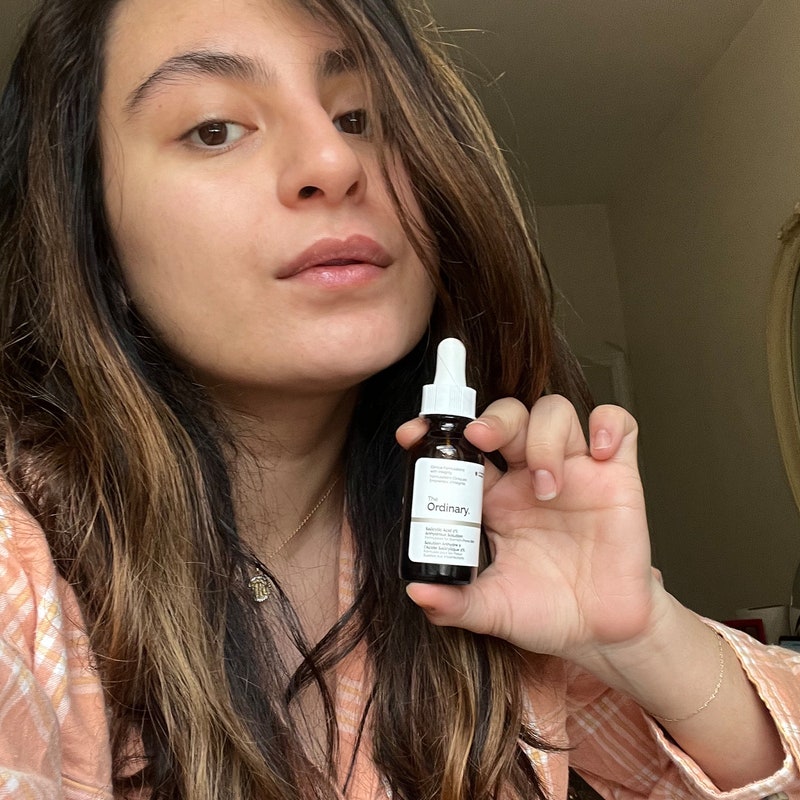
{"x":216,"y":134}
{"x":354,"y":122}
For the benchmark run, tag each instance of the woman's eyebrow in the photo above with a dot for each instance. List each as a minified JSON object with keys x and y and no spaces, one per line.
{"x":336,"y":62}
{"x":215,"y":64}
{"x":198,"y":63}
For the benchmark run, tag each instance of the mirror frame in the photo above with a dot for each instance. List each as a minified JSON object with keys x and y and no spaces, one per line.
{"x":780,"y":350}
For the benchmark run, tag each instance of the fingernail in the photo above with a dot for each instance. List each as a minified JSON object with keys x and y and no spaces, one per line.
{"x":544,"y":484}
{"x":602,"y":440}
{"x":478,"y":422}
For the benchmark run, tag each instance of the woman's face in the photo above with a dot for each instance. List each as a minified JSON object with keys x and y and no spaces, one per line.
{"x":245,"y":201}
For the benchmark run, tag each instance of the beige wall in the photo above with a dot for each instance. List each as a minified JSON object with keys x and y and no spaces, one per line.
{"x":676,"y":270}
{"x":695,"y":238}
{"x":13,"y":15}
{"x":576,"y":244}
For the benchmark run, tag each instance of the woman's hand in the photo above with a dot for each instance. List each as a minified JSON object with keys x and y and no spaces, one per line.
{"x":566,"y":523}
{"x":571,"y":577}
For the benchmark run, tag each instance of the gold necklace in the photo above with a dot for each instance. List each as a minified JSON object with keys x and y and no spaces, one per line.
{"x":260,"y":585}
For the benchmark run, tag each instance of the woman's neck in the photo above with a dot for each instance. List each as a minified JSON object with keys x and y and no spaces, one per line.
{"x":288,"y":453}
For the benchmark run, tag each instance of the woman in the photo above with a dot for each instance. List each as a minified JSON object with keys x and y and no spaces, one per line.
{"x":232,"y":234}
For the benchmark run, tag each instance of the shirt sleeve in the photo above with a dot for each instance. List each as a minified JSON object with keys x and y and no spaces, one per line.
{"x":624,"y":753}
{"x":53,"y":729}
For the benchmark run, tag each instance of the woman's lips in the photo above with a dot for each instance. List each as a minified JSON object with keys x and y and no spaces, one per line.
{"x":327,"y":257}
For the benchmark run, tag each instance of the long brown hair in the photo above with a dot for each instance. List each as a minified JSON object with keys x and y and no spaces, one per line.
{"x":121,"y":456}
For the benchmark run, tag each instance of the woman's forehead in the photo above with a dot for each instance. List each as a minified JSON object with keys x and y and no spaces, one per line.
{"x":144,"y":34}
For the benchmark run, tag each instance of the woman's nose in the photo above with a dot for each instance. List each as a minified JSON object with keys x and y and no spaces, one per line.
{"x":320,"y":163}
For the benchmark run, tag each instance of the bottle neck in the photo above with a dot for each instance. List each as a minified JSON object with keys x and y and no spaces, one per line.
{"x":447,"y":424}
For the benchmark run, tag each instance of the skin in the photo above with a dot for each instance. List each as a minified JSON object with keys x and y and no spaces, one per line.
{"x":207,"y":232}
{"x":205,"y":236}
{"x":204,"y":232}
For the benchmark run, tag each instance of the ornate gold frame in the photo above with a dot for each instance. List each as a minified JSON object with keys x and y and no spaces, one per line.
{"x":780,"y":355}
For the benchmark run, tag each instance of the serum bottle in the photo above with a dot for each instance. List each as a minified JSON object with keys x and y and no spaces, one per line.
{"x":443,"y":497}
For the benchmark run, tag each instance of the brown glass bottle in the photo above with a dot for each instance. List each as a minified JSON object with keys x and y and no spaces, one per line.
{"x":442,"y":505}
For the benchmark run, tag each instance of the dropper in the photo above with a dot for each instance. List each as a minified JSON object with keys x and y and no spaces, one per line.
{"x":449,"y":394}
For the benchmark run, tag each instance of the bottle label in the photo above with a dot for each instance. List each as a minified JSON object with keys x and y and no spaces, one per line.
{"x":446,"y":512}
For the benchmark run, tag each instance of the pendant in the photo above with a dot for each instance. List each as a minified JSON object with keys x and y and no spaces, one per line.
{"x":261,"y":587}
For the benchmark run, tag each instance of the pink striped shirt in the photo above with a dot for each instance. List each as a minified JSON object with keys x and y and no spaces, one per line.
{"x":54,"y":736}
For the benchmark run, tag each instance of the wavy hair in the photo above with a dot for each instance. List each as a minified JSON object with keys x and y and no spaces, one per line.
{"x":122,"y":457}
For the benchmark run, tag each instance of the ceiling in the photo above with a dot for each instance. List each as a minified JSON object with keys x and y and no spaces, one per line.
{"x":583,"y":86}
{"x":575,"y":88}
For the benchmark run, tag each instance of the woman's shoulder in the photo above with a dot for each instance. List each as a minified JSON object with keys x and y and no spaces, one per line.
{"x":57,"y":739}
{"x":25,"y":558}
{"x":35,"y":602}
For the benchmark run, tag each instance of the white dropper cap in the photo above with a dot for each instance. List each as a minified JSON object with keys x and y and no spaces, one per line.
{"x":449,"y":393}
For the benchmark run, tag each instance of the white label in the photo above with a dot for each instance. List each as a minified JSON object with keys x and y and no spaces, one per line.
{"x":446,"y":512}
